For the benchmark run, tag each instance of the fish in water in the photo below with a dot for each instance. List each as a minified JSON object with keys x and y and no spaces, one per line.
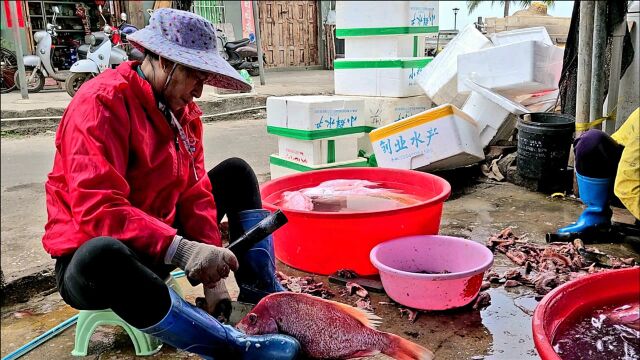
{"x":327,"y":329}
{"x":628,"y":315}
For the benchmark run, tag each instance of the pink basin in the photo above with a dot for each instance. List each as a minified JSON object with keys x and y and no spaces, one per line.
{"x":402,"y":264}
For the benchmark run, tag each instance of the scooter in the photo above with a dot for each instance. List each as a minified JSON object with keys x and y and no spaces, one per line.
{"x":241,"y":54}
{"x":39,"y":66}
{"x":100,"y":57}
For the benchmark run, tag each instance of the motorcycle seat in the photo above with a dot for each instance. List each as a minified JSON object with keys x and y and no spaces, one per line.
{"x":233,"y":45}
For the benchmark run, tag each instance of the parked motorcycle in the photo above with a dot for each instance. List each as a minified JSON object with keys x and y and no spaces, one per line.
{"x":241,"y":54}
{"x":100,"y":56}
{"x":39,"y":66}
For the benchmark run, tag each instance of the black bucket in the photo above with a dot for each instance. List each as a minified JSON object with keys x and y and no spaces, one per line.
{"x":544,"y":142}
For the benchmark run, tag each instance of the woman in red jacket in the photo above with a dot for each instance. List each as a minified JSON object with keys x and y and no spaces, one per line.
{"x":129,"y":198}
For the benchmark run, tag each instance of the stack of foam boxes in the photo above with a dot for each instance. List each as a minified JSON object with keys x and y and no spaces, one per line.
{"x":375,"y":85}
{"x":384,"y":53}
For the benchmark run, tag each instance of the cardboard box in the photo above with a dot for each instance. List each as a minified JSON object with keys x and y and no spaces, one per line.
{"x":440,"y":138}
{"x":361,"y":18}
{"x":379,"y":77}
{"x":282,"y":167}
{"x":317,"y":152}
{"x":514,"y":69}
{"x":439,"y":79}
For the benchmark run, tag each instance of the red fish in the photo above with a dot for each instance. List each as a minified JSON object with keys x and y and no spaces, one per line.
{"x":327,"y":329}
{"x":628,"y":315}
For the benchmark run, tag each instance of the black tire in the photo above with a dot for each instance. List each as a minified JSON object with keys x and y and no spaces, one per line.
{"x":74,"y":81}
{"x":36,"y":85}
{"x":254,"y":72}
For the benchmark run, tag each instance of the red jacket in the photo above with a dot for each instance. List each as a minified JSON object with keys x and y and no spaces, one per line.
{"x":117,"y":171}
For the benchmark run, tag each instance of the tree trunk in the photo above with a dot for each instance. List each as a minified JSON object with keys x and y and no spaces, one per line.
{"x":506,"y":8}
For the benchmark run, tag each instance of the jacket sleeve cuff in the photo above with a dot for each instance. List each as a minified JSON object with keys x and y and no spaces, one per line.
{"x":171,"y":251}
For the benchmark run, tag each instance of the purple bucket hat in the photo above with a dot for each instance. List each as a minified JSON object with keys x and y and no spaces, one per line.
{"x":190,"y":40}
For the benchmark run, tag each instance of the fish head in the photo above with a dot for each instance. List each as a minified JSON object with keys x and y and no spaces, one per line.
{"x":256,"y":323}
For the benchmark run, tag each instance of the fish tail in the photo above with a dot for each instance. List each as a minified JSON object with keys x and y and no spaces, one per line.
{"x":402,"y":349}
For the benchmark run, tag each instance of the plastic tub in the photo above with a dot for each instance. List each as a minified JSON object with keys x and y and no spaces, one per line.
{"x":544,"y":141}
{"x":403,"y":262}
{"x":324,"y":242}
{"x":568,"y":302}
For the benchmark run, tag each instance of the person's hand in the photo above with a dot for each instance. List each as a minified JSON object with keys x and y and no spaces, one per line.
{"x":216,"y":301}
{"x":205,"y":263}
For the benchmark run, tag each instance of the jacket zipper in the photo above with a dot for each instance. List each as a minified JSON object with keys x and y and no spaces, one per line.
{"x":179,"y":155}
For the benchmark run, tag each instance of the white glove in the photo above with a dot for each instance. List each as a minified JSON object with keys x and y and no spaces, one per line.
{"x":203,"y":262}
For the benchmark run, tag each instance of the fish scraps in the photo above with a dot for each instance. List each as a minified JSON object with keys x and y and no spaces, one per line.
{"x":306,"y":285}
{"x":544,"y":267}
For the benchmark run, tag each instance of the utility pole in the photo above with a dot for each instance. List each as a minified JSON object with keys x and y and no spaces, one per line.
{"x":585,"y":51}
{"x":614,"y":76}
{"x":256,"y":24}
{"x":22,"y":75}
{"x":598,"y":62}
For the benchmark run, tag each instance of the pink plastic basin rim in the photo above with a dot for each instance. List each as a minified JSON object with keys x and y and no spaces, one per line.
{"x":451,"y":276}
{"x":435,"y":200}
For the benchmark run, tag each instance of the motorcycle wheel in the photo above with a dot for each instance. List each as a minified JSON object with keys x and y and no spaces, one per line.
{"x":32,"y":86}
{"x":8,"y":63}
{"x":74,"y":81}
{"x":254,"y":72}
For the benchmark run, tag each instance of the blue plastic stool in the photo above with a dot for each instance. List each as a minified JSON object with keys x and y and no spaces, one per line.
{"x":89,"y":320}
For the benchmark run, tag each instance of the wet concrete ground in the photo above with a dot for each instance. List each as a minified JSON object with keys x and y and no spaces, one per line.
{"x":500,"y":331}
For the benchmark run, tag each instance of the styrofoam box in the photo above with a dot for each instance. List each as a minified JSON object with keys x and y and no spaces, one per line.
{"x":316,"y":152}
{"x":282,"y":167}
{"x":440,"y":138}
{"x":538,"y":33}
{"x":496,"y":115}
{"x":382,"y":15}
{"x":313,"y":113}
{"x":384,"y":46}
{"x":378,"y":77}
{"x":439,"y":79}
{"x":515,"y":69}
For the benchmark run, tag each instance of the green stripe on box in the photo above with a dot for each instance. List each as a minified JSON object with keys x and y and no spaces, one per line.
{"x":377,"y":64}
{"x":315,"y":134}
{"x":415,"y":46}
{"x":331,"y":151}
{"x":299,"y":167}
{"x":399,"y":30}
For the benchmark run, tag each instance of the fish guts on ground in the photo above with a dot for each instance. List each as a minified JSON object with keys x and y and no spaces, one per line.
{"x":327,"y":329}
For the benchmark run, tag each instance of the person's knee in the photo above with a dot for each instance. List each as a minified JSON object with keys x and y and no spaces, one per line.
{"x":238,"y":166}
{"x":104,"y":249}
{"x":589,"y":142}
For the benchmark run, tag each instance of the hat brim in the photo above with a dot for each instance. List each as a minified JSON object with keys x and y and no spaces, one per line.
{"x":222,"y":75}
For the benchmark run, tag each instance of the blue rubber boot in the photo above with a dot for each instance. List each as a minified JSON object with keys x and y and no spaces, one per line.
{"x":256,"y":275}
{"x":595,"y":193}
{"x":190,"y":328}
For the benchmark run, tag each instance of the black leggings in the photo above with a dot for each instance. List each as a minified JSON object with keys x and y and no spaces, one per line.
{"x":104,"y":273}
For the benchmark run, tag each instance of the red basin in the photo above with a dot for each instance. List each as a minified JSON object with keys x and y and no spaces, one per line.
{"x":324,"y":242}
{"x":568,"y":302}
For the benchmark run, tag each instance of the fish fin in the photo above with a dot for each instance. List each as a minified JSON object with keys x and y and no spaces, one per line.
{"x":402,"y":349}
{"x":365,"y":317}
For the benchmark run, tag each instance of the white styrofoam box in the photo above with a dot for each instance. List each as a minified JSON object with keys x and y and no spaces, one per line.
{"x":538,"y":33}
{"x":495,"y":114}
{"x":322,"y":151}
{"x":359,"y":18}
{"x":515,"y":69}
{"x":384,"y":46}
{"x":333,"y":115}
{"x":439,"y":80}
{"x":282,"y":167}
{"x":440,"y":138}
{"x":378,"y":77}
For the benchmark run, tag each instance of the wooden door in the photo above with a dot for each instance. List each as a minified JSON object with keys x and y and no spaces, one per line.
{"x":289,"y":31}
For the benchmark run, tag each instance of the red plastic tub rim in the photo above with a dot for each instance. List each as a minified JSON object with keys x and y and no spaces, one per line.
{"x":543,"y":333}
{"x":348,"y":173}
{"x":451,"y":276}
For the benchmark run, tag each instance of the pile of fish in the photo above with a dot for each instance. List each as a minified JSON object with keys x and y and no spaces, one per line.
{"x":547,"y":266}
